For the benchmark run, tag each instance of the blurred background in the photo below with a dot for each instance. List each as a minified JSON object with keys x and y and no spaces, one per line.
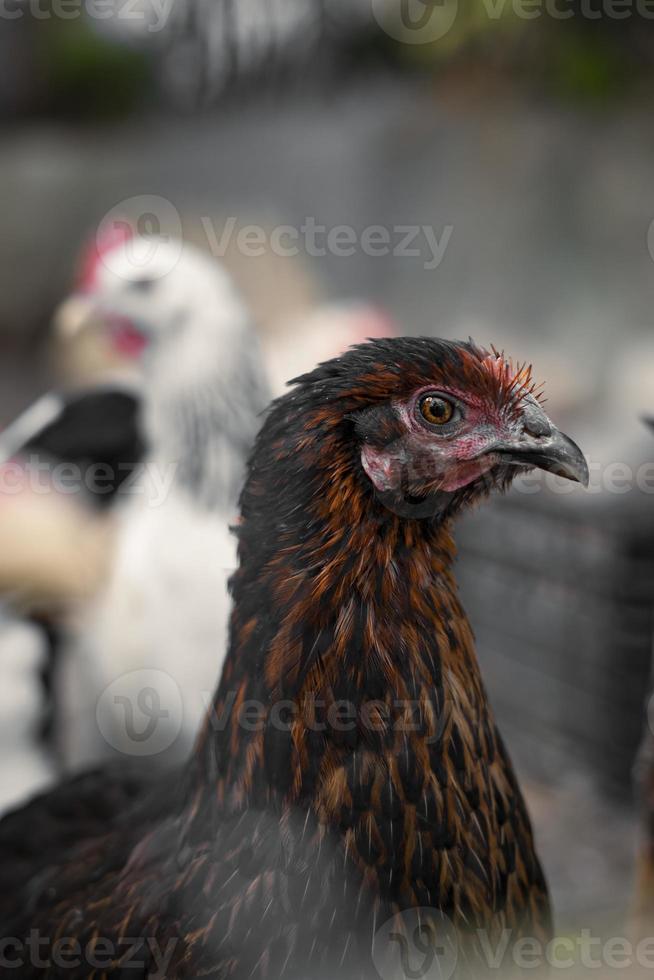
{"x":514,"y":143}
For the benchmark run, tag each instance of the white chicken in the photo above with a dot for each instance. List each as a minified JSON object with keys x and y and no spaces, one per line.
{"x":204,"y":389}
{"x":142,"y":575}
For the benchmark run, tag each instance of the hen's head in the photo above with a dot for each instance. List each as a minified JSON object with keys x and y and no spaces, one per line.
{"x":435,"y":423}
{"x":161,"y":288}
{"x":150,"y":294}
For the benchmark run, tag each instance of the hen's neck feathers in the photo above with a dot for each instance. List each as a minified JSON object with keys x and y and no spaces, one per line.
{"x":336,"y":600}
{"x":339,"y":601}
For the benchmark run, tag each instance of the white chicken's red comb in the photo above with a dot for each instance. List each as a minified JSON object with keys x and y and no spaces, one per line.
{"x":107,"y":238}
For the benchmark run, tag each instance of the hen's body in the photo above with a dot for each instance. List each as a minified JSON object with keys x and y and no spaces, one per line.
{"x":351,"y":768}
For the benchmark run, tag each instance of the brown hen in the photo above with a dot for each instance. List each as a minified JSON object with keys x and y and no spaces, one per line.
{"x":349,"y":798}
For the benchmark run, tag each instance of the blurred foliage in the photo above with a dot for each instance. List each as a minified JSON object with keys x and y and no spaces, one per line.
{"x":578,"y":58}
{"x":210,"y":48}
{"x":590,"y":68}
{"x":89,"y":75}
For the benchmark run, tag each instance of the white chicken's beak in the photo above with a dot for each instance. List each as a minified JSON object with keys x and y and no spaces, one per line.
{"x":73,"y":316}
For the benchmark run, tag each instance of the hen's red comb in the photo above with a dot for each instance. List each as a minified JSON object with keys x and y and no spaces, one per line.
{"x":516,"y":380}
{"x":107,"y":238}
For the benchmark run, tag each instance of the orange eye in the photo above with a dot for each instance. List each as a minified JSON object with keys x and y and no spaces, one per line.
{"x":436,"y":410}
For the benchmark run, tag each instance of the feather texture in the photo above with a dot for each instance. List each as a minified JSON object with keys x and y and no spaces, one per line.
{"x":371,"y":780}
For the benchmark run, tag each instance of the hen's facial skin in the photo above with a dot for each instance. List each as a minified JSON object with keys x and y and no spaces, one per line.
{"x":446,"y":439}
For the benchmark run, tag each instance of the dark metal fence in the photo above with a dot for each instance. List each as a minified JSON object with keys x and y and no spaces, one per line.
{"x":559,"y":591}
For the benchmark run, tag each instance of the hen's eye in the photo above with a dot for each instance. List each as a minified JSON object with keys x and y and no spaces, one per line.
{"x":436,"y":410}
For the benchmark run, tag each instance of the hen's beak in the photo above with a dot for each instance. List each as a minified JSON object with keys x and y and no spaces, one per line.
{"x":556,"y":453}
{"x":73,"y":315}
{"x":543,"y":446}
